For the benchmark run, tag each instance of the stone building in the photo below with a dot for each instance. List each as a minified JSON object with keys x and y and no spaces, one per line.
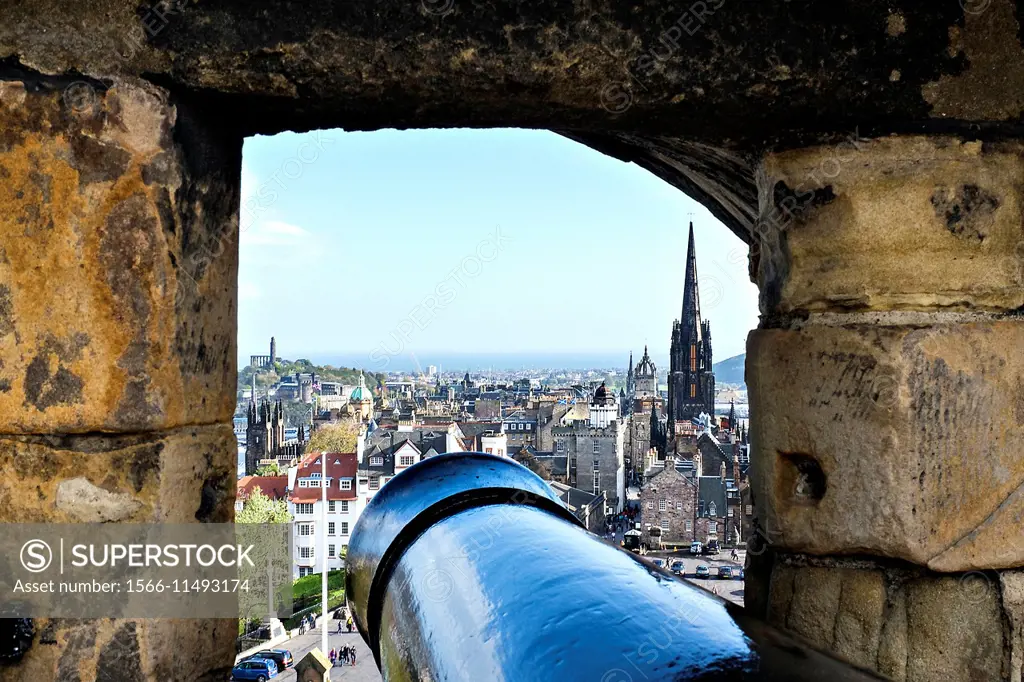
{"x":594,"y":449}
{"x":668,"y":503}
{"x":264,"y":437}
{"x":645,"y":378}
{"x":691,"y":381}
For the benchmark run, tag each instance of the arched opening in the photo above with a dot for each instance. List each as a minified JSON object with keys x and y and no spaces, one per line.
{"x":507,"y":291}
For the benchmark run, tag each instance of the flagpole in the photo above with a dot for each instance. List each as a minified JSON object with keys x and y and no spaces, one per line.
{"x":323,"y":576}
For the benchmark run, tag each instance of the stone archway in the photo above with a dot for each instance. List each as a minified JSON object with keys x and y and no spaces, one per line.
{"x":866,"y":150}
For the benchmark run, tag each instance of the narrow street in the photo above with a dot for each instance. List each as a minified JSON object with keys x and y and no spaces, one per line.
{"x":365,"y":669}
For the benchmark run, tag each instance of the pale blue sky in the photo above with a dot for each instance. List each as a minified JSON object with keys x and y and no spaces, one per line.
{"x":347,"y":250}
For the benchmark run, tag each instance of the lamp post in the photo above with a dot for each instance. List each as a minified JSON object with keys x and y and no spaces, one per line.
{"x":323,"y":535}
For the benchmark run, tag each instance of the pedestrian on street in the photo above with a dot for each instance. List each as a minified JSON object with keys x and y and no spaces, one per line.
{"x":349,"y":623}
{"x":333,"y":657}
{"x":352,"y":654}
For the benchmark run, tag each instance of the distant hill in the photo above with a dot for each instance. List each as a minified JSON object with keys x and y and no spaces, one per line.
{"x":730,"y":371}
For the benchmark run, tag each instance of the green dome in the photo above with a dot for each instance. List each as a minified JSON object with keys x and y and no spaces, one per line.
{"x":361,"y":393}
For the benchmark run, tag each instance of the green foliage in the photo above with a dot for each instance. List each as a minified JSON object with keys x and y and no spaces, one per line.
{"x":259,"y":508}
{"x":338,"y":437}
{"x":310,"y":584}
{"x":271,"y":469}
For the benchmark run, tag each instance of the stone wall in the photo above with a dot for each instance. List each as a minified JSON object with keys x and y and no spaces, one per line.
{"x":887,"y":382}
{"x":117,"y":343}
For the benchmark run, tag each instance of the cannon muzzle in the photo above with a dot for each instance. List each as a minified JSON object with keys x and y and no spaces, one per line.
{"x":467,"y":567}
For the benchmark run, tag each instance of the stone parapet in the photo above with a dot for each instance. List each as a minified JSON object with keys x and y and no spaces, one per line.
{"x":897,"y":223}
{"x":181,"y":476}
{"x":902,"y":442}
{"x":117,"y":265}
{"x":908,"y":624}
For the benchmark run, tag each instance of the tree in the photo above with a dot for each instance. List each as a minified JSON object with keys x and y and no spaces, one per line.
{"x":271,"y":469}
{"x":259,"y":508}
{"x":337,"y":437}
{"x":530,"y":461}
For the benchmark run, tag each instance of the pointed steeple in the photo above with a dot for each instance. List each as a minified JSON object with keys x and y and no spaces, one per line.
{"x":690,"y":319}
{"x":732,"y":416}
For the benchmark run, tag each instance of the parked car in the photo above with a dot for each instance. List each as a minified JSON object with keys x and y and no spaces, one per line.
{"x":282,"y":657}
{"x":725,"y":573}
{"x":712,"y":547}
{"x":703,"y":571}
{"x":696,"y":548}
{"x":678,"y":567}
{"x":259,"y":669}
{"x":659,"y":562}
{"x":739,"y":574}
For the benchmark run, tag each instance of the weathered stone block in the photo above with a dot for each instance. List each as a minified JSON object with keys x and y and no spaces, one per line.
{"x":907,"y":223}
{"x":894,"y":441}
{"x":906,"y":625}
{"x":128,"y":651}
{"x":117,"y":266}
{"x":182,"y":476}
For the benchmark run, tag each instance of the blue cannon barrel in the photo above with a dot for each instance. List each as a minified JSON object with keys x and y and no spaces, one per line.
{"x":467,"y":567}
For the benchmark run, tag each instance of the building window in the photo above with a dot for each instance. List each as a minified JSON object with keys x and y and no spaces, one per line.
{"x":330,"y":551}
{"x":679,"y":505}
{"x":650,"y":504}
{"x":597,"y":482}
{"x":489,"y":451}
{"x":407,"y":460}
{"x":529,"y":427}
{"x":661,"y":505}
{"x":712,"y":509}
{"x":689,"y":526}
{"x":664,"y":525}
{"x":597,"y":446}
{"x":693,"y":390}
{"x":750,"y":510}
{"x":597,"y":464}
{"x":344,"y":506}
{"x":346,"y":485}
{"x":713,"y":528}
{"x":330,"y":528}
{"x":305,"y":529}
{"x":693,"y":357}
{"x":730,"y":512}
{"x":374,"y":483}
{"x":344,"y":527}
{"x":330,"y":507}
{"x":304,"y":508}
{"x":305,"y":552}
{"x":376,"y":461}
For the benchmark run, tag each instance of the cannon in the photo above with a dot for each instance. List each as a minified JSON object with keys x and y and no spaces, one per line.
{"x":467,"y":567}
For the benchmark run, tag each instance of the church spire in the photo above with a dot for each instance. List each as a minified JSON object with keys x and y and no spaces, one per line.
{"x":691,"y":320}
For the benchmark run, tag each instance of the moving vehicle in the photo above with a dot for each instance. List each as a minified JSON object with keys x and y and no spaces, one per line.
{"x":696,"y":548}
{"x":259,"y":669}
{"x":703,"y":571}
{"x":659,"y":562}
{"x":282,"y":657}
{"x":725,"y":573}
{"x":712,"y":547}
{"x":678,"y":567}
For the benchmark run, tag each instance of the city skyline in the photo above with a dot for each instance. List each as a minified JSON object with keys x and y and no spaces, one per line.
{"x":465,"y":243}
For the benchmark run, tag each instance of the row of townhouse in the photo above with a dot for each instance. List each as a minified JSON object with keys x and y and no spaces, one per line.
{"x":351,"y":480}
